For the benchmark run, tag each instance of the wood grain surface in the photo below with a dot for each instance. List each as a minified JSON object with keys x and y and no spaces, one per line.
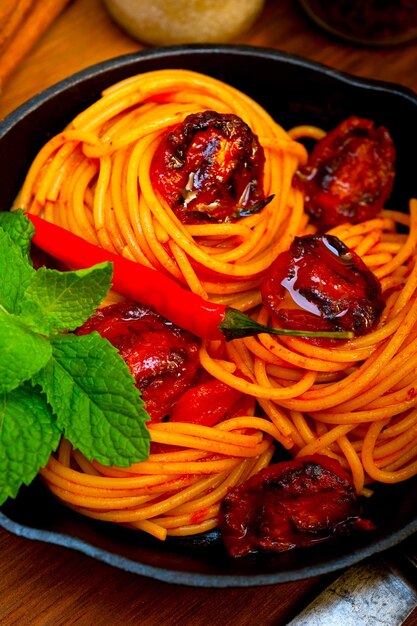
{"x":47,"y":585}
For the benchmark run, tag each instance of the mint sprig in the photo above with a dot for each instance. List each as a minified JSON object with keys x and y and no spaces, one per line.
{"x":54,"y":383}
{"x":28,"y":436}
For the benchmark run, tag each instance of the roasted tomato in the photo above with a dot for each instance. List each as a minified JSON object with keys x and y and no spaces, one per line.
{"x":290,"y":504}
{"x":207,"y":403}
{"x":349,"y":175}
{"x":320,"y":284}
{"x":162,"y":358}
{"x":210,"y":169}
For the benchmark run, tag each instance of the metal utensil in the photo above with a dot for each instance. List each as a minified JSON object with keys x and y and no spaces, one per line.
{"x":381,"y":591}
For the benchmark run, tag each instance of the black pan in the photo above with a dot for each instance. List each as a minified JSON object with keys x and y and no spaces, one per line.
{"x":295,"y":91}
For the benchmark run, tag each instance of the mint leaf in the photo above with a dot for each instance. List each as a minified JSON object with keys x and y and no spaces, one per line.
{"x":19,"y":229}
{"x":15,"y":273}
{"x":96,"y":403}
{"x":28,"y":435}
{"x":22,"y":352}
{"x":82,"y":380}
{"x":57,"y":301}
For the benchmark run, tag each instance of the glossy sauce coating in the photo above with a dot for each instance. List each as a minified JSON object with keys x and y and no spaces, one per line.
{"x":320,"y":284}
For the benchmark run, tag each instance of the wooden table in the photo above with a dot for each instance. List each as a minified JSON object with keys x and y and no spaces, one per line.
{"x":49,"y":585}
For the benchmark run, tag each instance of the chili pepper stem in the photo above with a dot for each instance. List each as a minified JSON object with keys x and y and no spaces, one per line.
{"x":236,"y":324}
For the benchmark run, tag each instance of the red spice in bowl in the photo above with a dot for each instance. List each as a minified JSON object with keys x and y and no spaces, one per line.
{"x":370,"y":22}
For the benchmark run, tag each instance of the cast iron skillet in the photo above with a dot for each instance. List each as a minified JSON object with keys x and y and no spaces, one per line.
{"x":294,"y":91}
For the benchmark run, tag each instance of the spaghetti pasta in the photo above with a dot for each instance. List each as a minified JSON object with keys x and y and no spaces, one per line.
{"x":355,"y":402}
{"x":94,"y":179}
{"x":359,"y":398}
{"x":173,"y":493}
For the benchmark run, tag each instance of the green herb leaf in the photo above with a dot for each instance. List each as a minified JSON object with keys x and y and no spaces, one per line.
{"x":15,"y":273}
{"x":82,"y":380}
{"x":28,"y":436}
{"x":93,"y":395}
{"x":236,"y":324}
{"x":19,"y":229}
{"x":23,"y":353}
{"x":58,"y":301}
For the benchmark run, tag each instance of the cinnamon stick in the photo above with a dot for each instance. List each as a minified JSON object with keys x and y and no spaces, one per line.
{"x":12,"y":14}
{"x":35,"y":22}
{"x":6,"y":9}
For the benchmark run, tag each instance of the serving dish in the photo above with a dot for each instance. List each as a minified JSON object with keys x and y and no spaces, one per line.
{"x":295,"y":91}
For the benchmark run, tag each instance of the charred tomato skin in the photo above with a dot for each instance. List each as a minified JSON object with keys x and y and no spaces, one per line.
{"x":321,"y":284}
{"x":290,"y":504}
{"x":209,"y":168}
{"x":162,"y":358}
{"x":349,"y":175}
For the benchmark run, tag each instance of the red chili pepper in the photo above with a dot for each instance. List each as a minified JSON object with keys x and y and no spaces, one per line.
{"x":150,"y":287}
{"x":133,"y":280}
